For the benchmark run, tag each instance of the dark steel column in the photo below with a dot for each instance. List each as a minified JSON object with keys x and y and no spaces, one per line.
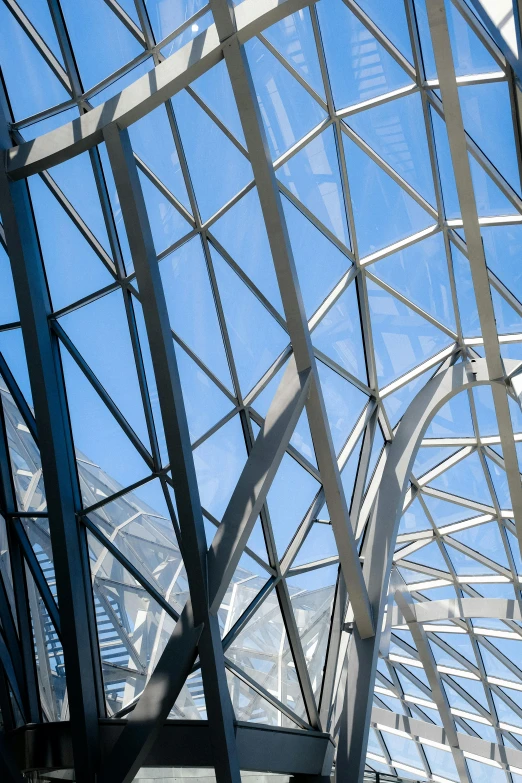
{"x":59,"y":470}
{"x":193,"y":543}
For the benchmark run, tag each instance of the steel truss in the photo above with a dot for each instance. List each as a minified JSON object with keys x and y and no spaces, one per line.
{"x":127,"y":642}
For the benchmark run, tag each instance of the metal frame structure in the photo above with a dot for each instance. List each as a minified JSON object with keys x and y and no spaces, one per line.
{"x":132,"y":637}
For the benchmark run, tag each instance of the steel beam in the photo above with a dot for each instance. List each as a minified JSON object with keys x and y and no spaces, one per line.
{"x":257,"y":147}
{"x":59,"y":467}
{"x":256,"y":478}
{"x":379,"y":547}
{"x":147,"y":93}
{"x":144,"y":725}
{"x":405,"y":603}
{"x":479,"y":272}
{"x":420,"y":731}
{"x":193,"y":541}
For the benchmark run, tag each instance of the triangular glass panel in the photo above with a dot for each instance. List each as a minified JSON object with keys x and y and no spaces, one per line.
{"x":515,"y":551}
{"x":49,"y":659}
{"x":311,"y":595}
{"x":256,"y":543}
{"x":466,"y":479}
{"x":350,"y":48}
{"x":470,"y":56}
{"x":166,"y":223}
{"x":486,"y":112}
{"x":313,"y":176}
{"x":504,"y":712}
{"x":396,"y":132}
{"x":490,"y":200}
{"x":414,"y":519}
{"x":255,"y":336}
{"x":503,"y":246}
{"x":75,"y":179}
{"x":485,"y":539}
{"x":190,"y":32}
{"x":474,"y":689}
{"x":287,"y":509}
{"x":375,"y":454}
{"x":215,"y":89}
{"x":397,"y":403}
{"x":161,"y":156}
{"x":194,"y":318}
{"x":465,"y":565}
{"x":349,"y":471}
{"x":219,"y":462}
{"x":13,"y":350}
{"x":428,"y":457}
{"x":429,"y":556}
{"x":339,"y":334}
{"x":165,"y":18}
{"x":485,"y":410}
{"x":8,"y":305}
{"x":262,"y":651}
{"x":247,"y":581}
{"x":343,"y":402}
{"x":205,"y":403}
{"x":118,"y":85}
{"x":31,"y":84}
{"x":116,"y":209}
{"x":495,"y":668}
{"x":420,"y":273}
{"x":218,"y":169}
{"x":150,"y":379}
{"x":39,"y":15}
{"x":130,"y":9}
{"x":500,"y":483}
{"x":147,"y":539}
{"x":293,"y":37}
{"x":412,"y":577}
{"x":102,"y":44}
{"x":37,"y":531}
{"x":242,"y":233}
{"x":403,"y":339}
{"x":446,"y":173}
{"x":100,"y":332}
{"x":72,"y":267}
{"x":251,"y":707}
{"x":507,"y":319}
{"x":391,"y":19}
{"x":190,"y":704}
{"x":288,"y":110}
{"x":26,"y":463}
{"x":444,"y":512}
{"x":374,"y":193}
{"x":320,"y":265}
{"x":453,"y":420}
{"x":96,"y":433}
{"x":318,"y":545}
{"x":122,"y":603}
{"x":469,"y":317}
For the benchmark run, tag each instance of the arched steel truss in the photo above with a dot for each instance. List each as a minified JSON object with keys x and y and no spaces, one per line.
{"x":193,"y":657}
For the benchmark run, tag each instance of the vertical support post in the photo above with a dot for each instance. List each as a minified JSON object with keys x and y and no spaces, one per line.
{"x":193,"y":543}
{"x":405,"y":603}
{"x":59,"y":469}
{"x":379,"y":548}
{"x":477,"y":260}
{"x":270,"y":200}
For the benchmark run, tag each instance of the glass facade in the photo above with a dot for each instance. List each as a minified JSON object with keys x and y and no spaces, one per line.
{"x":237,"y":240}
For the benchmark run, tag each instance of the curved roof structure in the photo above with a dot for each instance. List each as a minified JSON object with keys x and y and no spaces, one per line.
{"x":260,"y":373}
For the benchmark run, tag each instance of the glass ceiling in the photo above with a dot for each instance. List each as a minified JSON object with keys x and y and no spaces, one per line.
{"x":354,"y":119}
